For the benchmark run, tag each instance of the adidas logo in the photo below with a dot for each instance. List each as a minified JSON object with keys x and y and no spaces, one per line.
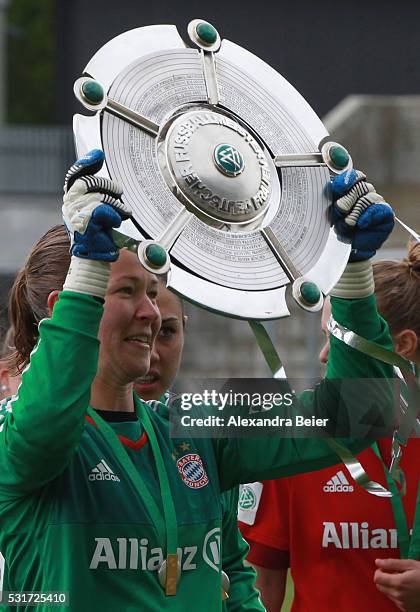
{"x":338,"y":484}
{"x":102,"y":472}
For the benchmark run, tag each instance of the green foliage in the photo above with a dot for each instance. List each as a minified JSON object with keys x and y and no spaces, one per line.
{"x":31,"y":65}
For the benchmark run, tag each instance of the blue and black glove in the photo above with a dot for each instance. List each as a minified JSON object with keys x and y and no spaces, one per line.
{"x":360,"y":213}
{"x":92,"y":206}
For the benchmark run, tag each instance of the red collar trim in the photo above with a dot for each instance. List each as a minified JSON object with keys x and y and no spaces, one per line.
{"x":135,"y":445}
{"x":90,"y":420}
{"x":126,"y":441}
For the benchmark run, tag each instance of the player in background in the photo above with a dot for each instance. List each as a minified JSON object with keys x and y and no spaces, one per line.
{"x":89,"y":475}
{"x":332,"y":550}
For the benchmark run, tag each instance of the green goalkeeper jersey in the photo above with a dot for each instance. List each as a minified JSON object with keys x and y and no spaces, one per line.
{"x":71,"y":519}
{"x":242,"y":593}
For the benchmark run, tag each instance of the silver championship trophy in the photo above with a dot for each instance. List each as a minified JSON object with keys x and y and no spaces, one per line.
{"x":227,"y":170}
{"x":224,"y":164}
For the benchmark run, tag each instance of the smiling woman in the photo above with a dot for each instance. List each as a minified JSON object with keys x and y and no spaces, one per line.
{"x":89,"y":474}
{"x":128,"y":329}
{"x":129,"y":325}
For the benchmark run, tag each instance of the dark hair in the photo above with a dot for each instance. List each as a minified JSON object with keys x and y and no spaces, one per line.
{"x":397,"y":290}
{"x":44,"y":271}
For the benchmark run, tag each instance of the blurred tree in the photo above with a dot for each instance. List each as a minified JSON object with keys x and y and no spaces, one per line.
{"x":31,"y":61}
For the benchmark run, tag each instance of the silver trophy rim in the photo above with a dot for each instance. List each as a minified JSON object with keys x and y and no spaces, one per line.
{"x":106,"y":65}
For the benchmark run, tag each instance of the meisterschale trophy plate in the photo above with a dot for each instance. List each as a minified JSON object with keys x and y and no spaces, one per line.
{"x":224,"y":165}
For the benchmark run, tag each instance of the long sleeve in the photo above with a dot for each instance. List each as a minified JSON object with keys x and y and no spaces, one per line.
{"x":251,"y":459}
{"x":44,"y":421}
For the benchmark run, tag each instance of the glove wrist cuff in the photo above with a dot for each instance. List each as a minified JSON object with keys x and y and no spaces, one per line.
{"x":355,"y":282}
{"x":88,"y":276}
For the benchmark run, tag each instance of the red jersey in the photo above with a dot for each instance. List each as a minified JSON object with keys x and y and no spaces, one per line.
{"x":330,"y":531}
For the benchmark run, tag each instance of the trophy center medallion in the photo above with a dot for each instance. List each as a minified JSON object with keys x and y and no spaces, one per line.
{"x":229,"y":160}
{"x":218,"y":166}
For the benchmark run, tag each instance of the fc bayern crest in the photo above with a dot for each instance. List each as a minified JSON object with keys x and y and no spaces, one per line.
{"x":192,"y":471}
